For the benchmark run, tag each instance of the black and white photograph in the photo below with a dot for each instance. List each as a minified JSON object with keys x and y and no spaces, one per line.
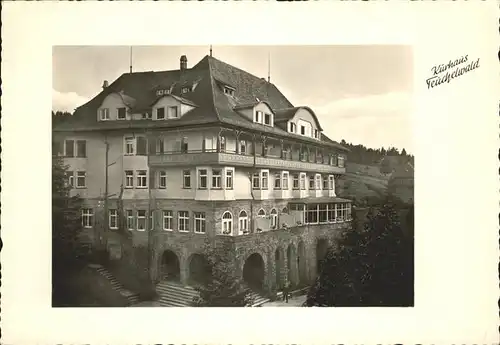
{"x":232,"y":177}
{"x":249,"y":172}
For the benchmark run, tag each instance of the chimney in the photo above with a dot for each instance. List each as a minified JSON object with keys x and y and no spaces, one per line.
{"x":184,"y":62}
{"x":105,"y":84}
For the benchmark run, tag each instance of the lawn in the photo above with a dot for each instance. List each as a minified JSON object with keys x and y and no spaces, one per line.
{"x":88,"y":288}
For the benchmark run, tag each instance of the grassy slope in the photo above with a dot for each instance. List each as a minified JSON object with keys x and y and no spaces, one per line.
{"x":91,"y":289}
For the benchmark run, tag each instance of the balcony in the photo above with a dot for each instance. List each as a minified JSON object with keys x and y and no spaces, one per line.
{"x":233,"y":159}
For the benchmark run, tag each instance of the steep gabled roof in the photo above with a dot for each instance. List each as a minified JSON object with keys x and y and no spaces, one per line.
{"x":212,"y":105}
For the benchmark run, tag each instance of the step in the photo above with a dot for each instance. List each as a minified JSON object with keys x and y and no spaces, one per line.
{"x":175,"y":292}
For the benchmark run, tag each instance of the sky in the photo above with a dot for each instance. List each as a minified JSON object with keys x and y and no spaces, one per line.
{"x":362,"y":94}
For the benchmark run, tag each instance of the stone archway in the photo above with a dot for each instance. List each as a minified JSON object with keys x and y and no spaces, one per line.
{"x":291,"y":255}
{"x":302,"y":263}
{"x":200,"y":272}
{"x":254,"y":272}
{"x":279,"y":261}
{"x":170,"y":268}
{"x":321,"y":250}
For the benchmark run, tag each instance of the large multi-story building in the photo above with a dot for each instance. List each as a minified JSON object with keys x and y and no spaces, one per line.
{"x":210,"y":152}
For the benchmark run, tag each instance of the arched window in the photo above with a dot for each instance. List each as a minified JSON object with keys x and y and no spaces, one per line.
{"x":227,"y":223}
{"x":261,"y":213}
{"x":243,"y":222}
{"x":274,"y":218}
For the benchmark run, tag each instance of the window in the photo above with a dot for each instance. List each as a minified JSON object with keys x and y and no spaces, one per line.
{"x":162,"y":180}
{"x":186,"y":179}
{"x":167,"y":220}
{"x":130,"y":220}
{"x":277,"y":181}
{"x":104,"y":114}
{"x":255,"y":181}
{"x":199,"y":222}
{"x":229,"y":179}
{"x":303,"y":130}
{"x":332,"y":211}
{"x":302,"y":181}
{"x":258,"y":116}
{"x":172,"y":113}
{"x":322,"y":213}
{"x":142,"y":146}
{"x":325,"y":183}
{"x":243,"y":221}
{"x":129,"y":146}
{"x":295,"y":181}
{"x":129,"y":179}
{"x":160,"y":113}
{"x":227,"y":223}
{"x":265,"y":180}
{"x":87,"y":217}
{"x":267,"y":119}
{"x":122,"y":113}
{"x":243,"y":147}
{"x":316,"y":134}
{"x":69,"y":147}
{"x":274,"y":218}
{"x":141,"y":220}
{"x":284,"y":210}
{"x":293,"y":127}
{"x":184,"y":145}
{"x":222,"y":143}
{"x":183,"y":221}
{"x":318,"y":182}
{"x":81,"y":148}
{"x":333,"y":160}
{"x":228,"y":91}
{"x":142,"y":179}
{"x":186,"y":89}
{"x":151,"y":220}
{"x":261,"y":213}
{"x":331,"y":182}
{"x":284,"y":183}
{"x":341,"y":161}
{"x":311,"y":182}
{"x":70,"y":176}
{"x":216,"y":178}
{"x":80,"y":179}
{"x":202,"y":179}
{"x":113,"y":219}
{"x":312,"y":214}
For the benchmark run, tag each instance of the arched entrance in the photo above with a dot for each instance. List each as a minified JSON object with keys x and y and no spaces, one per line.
{"x":302,"y":263}
{"x":291,"y":256}
{"x":253,"y":272}
{"x":279,"y":264}
{"x":170,"y":267}
{"x":321,"y":250}
{"x":200,"y":271}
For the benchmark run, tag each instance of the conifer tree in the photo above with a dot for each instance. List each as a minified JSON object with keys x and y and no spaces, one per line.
{"x":67,"y":251}
{"x":224,"y":289}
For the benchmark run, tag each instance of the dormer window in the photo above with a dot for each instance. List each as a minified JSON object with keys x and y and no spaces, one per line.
{"x":229,"y":91}
{"x":159,"y":93}
{"x":186,"y":89}
{"x":258,"y":116}
{"x":316,"y":134}
{"x":162,"y":92}
{"x":122,"y":113}
{"x":104,"y":114}
{"x":293,"y":127}
{"x":173,"y":112}
{"x":267,"y":119}
{"x":160,"y":113}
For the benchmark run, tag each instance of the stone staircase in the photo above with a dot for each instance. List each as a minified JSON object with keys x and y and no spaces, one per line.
{"x":173,"y":294}
{"x":257,"y":299}
{"x":116,"y":285}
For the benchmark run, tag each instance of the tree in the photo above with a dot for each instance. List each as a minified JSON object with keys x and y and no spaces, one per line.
{"x":224,"y":289}
{"x":374,"y":267}
{"x":67,"y":251}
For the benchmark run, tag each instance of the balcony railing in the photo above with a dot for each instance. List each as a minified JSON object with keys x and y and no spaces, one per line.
{"x":198,"y":157}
